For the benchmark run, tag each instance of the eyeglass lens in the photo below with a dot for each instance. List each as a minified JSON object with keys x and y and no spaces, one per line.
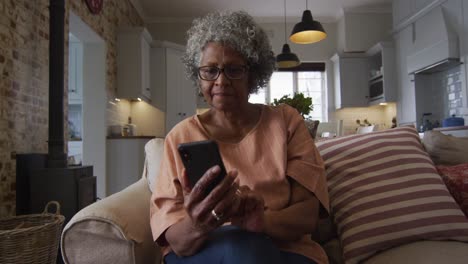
{"x":211,"y":73}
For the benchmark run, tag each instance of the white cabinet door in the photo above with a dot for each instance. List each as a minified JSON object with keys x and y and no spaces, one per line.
{"x":181,"y":100}
{"x":125,"y":162}
{"x":406,"y":105}
{"x":75,"y":73}
{"x":351,"y":87}
{"x":172,"y":93}
{"x":145,"y":73}
{"x":133,"y":63}
{"x":173,"y":101}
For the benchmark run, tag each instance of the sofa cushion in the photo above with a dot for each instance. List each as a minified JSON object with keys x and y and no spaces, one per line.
{"x":385,"y":191}
{"x":119,"y":224}
{"x":424,"y":252}
{"x":445,"y":149}
{"x":153,"y":154}
{"x":456,"y":179}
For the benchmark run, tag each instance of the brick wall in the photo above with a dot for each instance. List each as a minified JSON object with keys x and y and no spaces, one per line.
{"x":24,"y":36}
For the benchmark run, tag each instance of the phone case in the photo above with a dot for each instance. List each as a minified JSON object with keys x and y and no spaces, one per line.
{"x":200,"y":156}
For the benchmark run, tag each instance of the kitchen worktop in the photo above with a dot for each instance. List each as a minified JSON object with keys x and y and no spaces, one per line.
{"x":451,"y":128}
{"x":130,"y":137}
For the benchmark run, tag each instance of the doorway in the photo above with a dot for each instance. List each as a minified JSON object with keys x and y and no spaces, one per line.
{"x":87,"y":99}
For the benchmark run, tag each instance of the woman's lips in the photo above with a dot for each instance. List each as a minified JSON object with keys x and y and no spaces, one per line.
{"x":221,"y":94}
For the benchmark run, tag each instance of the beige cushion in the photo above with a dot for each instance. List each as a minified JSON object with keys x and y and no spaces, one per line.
{"x":113,"y":230}
{"x":446,"y":149}
{"x":385,"y":191}
{"x":154,"y":151}
{"x":424,"y":252}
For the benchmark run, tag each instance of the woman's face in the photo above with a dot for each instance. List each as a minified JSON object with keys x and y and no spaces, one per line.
{"x":229,"y":91}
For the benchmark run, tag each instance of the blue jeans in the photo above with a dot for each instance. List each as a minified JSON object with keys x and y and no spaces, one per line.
{"x":231,"y":245}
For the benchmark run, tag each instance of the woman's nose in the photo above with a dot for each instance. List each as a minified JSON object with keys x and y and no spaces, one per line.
{"x":222,"y":78}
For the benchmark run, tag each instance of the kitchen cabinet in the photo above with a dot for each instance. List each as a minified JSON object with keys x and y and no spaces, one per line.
{"x":406,"y":11}
{"x":350,"y":80}
{"x":125,"y":161}
{"x":173,"y":92}
{"x":406,"y":104}
{"x":75,"y":72}
{"x":133,"y":63}
{"x":381,"y":73}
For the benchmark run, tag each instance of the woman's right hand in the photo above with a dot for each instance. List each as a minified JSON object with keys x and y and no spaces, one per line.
{"x":208,"y":212}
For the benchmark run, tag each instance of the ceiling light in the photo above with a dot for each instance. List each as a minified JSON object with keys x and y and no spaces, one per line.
{"x":286,"y":59}
{"x":308,"y":30}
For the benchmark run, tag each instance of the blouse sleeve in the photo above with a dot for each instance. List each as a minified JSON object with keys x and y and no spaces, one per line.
{"x":167,"y":199}
{"x":304,"y":163}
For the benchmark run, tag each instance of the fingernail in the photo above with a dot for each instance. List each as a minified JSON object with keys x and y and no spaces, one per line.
{"x":215,"y":169}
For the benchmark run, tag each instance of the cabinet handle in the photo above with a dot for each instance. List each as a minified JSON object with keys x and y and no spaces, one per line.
{"x":147,"y":89}
{"x":183,"y":114}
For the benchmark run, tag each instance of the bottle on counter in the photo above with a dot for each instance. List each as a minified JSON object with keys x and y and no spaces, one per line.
{"x":132,"y":130}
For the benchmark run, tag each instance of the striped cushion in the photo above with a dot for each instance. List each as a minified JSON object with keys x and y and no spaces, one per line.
{"x":385,"y":191}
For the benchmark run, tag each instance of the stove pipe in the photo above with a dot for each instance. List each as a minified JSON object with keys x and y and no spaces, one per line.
{"x":57,"y":158}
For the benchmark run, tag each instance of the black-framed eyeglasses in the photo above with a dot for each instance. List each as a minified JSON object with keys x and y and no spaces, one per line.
{"x":233,"y":72}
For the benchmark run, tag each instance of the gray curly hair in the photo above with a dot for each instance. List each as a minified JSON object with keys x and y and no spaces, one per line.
{"x":239,"y":31}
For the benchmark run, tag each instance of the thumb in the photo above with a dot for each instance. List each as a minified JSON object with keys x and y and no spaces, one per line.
{"x":184,"y":181}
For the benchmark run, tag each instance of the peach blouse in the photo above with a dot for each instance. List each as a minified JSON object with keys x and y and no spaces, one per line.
{"x":278,"y":146}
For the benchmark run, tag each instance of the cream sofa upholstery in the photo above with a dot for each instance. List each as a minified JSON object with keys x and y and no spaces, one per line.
{"x":116,"y":229}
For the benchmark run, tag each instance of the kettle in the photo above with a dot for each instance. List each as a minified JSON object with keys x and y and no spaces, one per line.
{"x":453,"y":121}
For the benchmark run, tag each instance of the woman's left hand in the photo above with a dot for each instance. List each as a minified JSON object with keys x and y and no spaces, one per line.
{"x":250,"y":215}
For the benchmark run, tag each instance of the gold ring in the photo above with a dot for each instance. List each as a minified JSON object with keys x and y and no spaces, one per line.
{"x":238,"y":192}
{"x":216,"y":216}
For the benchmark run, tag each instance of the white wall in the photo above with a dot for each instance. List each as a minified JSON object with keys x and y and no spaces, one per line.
{"x":94,"y":112}
{"x":363,"y":30}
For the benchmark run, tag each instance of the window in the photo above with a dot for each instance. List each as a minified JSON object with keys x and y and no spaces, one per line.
{"x":310,"y":83}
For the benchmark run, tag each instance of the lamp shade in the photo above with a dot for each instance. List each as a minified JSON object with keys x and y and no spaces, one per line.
{"x":308,"y":30}
{"x":287,"y":59}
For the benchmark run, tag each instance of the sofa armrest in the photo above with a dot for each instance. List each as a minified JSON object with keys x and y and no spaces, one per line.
{"x":115,"y":229}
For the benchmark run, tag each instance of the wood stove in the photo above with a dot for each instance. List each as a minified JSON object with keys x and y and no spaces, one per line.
{"x":45,"y":177}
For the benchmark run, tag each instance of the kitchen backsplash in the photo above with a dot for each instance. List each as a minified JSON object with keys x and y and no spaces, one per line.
{"x":450,"y":81}
{"x":380,"y":115}
{"x":149,"y":120}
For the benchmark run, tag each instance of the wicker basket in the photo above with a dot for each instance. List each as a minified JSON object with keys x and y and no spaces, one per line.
{"x":31,"y":238}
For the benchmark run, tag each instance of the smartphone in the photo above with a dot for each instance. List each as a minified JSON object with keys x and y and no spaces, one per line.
{"x":198,"y":157}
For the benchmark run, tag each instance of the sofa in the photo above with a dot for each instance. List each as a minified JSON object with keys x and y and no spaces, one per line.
{"x":116,"y":229}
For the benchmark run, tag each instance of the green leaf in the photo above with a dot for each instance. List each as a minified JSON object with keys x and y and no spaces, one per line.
{"x":299,"y":101}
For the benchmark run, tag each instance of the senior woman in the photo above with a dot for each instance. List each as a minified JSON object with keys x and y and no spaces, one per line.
{"x":268,"y":204}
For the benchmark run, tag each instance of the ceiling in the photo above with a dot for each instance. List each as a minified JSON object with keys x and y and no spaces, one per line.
{"x":154,"y":11}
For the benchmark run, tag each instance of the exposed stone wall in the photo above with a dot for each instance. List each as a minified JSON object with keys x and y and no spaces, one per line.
{"x":24,"y":36}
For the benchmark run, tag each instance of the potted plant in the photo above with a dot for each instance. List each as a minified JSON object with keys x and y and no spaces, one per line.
{"x":302,"y":103}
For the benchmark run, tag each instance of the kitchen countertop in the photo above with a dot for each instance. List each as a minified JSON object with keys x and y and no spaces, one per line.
{"x":130,"y":137}
{"x":451,"y":128}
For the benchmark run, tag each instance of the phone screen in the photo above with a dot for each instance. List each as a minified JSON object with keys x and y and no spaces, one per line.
{"x":200,"y":156}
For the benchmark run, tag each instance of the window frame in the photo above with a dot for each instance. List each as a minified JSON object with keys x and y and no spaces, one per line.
{"x":305,"y":67}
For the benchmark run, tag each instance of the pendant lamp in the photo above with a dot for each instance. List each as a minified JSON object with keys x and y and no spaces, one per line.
{"x":308,"y":30}
{"x":286,"y":59}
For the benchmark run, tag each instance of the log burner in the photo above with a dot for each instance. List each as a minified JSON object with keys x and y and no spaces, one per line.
{"x":44,"y":177}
